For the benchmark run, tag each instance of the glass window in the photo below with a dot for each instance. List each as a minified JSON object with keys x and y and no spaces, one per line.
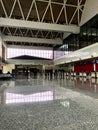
{"x":14,"y":52}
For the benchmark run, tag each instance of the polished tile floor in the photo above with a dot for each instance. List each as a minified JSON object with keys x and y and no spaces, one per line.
{"x":37,"y":104}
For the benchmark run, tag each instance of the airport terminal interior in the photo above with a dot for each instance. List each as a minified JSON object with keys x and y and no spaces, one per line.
{"x":48,"y":65}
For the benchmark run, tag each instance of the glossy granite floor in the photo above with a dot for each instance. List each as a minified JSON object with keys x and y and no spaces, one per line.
{"x":37,"y":104}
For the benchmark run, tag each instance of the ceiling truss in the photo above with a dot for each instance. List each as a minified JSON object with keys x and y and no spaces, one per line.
{"x":48,"y":8}
{"x":31,"y":33}
{"x":52,"y":19}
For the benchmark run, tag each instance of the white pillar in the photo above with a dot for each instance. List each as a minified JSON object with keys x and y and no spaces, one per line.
{"x":0,"y":47}
{"x":5,"y":52}
{"x":94,"y":66}
{"x":94,"y":70}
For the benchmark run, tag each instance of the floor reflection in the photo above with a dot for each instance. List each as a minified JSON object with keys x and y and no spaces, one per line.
{"x":70,"y":104}
{"x":36,"y":97}
{"x":88,"y":85}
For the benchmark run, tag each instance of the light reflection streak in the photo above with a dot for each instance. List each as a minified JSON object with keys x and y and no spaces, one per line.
{"x":36,"y":97}
{"x":65,"y":103}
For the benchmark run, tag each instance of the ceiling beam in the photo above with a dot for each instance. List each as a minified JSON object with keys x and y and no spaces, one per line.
{"x":30,"y":62}
{"x":31,"y":40}
{"x":6,"y":22}
{"x":30,"y":47}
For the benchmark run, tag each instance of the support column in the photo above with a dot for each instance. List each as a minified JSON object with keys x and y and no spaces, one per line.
{"x":5,"y":50}
{"x":0,"y":47}
{"x":95,"y":69}
{"x":94,"y":74}
{"x":44,"y":72}
{"x":0,"y":54}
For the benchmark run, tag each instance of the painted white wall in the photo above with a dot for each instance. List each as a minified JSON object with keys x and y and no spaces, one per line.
{"x":29,"y":62}
{"x":90,"y":10}
{"x":8,"y":67}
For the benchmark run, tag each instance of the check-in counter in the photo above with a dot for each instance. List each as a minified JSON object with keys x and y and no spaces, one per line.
{"x":93,"y":80}
{"x":92,"y":74}
{"x":72,"y":75}
{"x":96,"y":81}
{"x":96,"y":74}
{"x":80,"y":74}
{"x":64,"y":74}
{"x":84,"y":79}
{"x":84,"y":74}
{"x":67,"y":75}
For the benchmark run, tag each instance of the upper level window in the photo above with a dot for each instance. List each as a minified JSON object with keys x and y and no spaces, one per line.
{"x":14,"y":52}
